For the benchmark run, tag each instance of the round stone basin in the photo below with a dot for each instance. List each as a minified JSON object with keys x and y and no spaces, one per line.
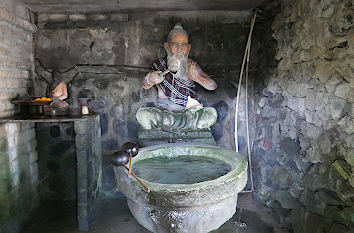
{"x":195,"y":207}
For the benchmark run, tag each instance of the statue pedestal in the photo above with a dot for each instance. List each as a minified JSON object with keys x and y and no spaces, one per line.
{"x":155,"y":137}
{"x":163,"y":126}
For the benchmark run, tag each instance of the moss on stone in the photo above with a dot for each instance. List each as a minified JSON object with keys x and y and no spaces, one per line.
{"x":3,"y":145}
{"x":348,"y":214}
{"x":339,"y":168}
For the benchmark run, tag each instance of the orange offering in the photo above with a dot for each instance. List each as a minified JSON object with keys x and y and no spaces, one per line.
{"x":43,"y":99}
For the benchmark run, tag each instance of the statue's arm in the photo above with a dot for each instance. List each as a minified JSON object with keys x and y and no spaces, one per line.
{"x":196,"y":74}
{"x":152,"y":78}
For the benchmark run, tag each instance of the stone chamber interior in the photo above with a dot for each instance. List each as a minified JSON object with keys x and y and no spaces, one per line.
{"x":300,"y":105}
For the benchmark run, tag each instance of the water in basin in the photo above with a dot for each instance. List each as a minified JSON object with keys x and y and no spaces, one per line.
{"x":183,"y":169}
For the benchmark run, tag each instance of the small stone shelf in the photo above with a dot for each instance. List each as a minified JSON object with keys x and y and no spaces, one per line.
{"x":89,"y":160}
{"x":43,"y":118}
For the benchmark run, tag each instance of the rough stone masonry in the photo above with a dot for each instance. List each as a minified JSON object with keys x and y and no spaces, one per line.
{"x":304,"y":143}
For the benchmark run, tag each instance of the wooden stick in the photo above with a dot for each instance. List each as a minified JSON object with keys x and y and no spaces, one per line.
{"x":130,"y":164}
{"x":138,"y":179}
{"x":240,"y":78}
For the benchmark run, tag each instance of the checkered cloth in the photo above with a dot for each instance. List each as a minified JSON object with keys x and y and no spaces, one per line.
{"x":176,"y":89}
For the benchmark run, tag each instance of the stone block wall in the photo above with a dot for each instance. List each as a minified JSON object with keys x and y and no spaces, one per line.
{"x":89,"y":169}
{"x":113,"y":52}
{"x":57,"y":165}
{"x":305,"y":118}
{"x":70,"y":164}
{"x":18,"y":156}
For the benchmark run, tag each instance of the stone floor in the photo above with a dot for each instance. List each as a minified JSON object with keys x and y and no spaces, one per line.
{"x":114,"y":217}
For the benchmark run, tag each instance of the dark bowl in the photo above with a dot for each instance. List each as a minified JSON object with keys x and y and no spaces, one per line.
{"x":131,"y":147}
{"x":119,"y":158}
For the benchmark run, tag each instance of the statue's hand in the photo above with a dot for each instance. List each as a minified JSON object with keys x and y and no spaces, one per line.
{"x":156,"y":77}
{"x":192,"y":71}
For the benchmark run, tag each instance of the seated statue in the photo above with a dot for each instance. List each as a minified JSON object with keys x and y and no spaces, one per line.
{"x":175,"y":76}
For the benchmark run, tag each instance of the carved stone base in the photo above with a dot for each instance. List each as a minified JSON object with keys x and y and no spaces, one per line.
{"x":155,"y":137}
{"x":163,"y":126}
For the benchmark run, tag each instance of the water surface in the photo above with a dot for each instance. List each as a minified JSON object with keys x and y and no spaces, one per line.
{"x":183,"y":169}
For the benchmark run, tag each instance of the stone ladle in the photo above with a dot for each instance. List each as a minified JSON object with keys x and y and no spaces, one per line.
{"x":121,"y":158}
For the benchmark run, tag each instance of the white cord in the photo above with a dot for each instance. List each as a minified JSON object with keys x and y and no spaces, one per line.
{"x":240,"y":81}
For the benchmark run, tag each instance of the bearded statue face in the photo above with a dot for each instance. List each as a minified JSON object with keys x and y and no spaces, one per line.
{"x":177,"y":54}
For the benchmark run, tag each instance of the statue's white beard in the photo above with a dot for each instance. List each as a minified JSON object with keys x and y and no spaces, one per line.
{"x":178,"y":64}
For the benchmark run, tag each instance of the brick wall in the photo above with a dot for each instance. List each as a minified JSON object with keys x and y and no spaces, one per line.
{"x":16,"y":55}
{"x":18,"y":155}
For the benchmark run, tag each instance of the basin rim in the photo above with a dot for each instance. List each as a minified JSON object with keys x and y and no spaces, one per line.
{"x":232,"y":176}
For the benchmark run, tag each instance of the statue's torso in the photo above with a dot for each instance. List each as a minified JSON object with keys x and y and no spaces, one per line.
{"x":176,"y":89}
